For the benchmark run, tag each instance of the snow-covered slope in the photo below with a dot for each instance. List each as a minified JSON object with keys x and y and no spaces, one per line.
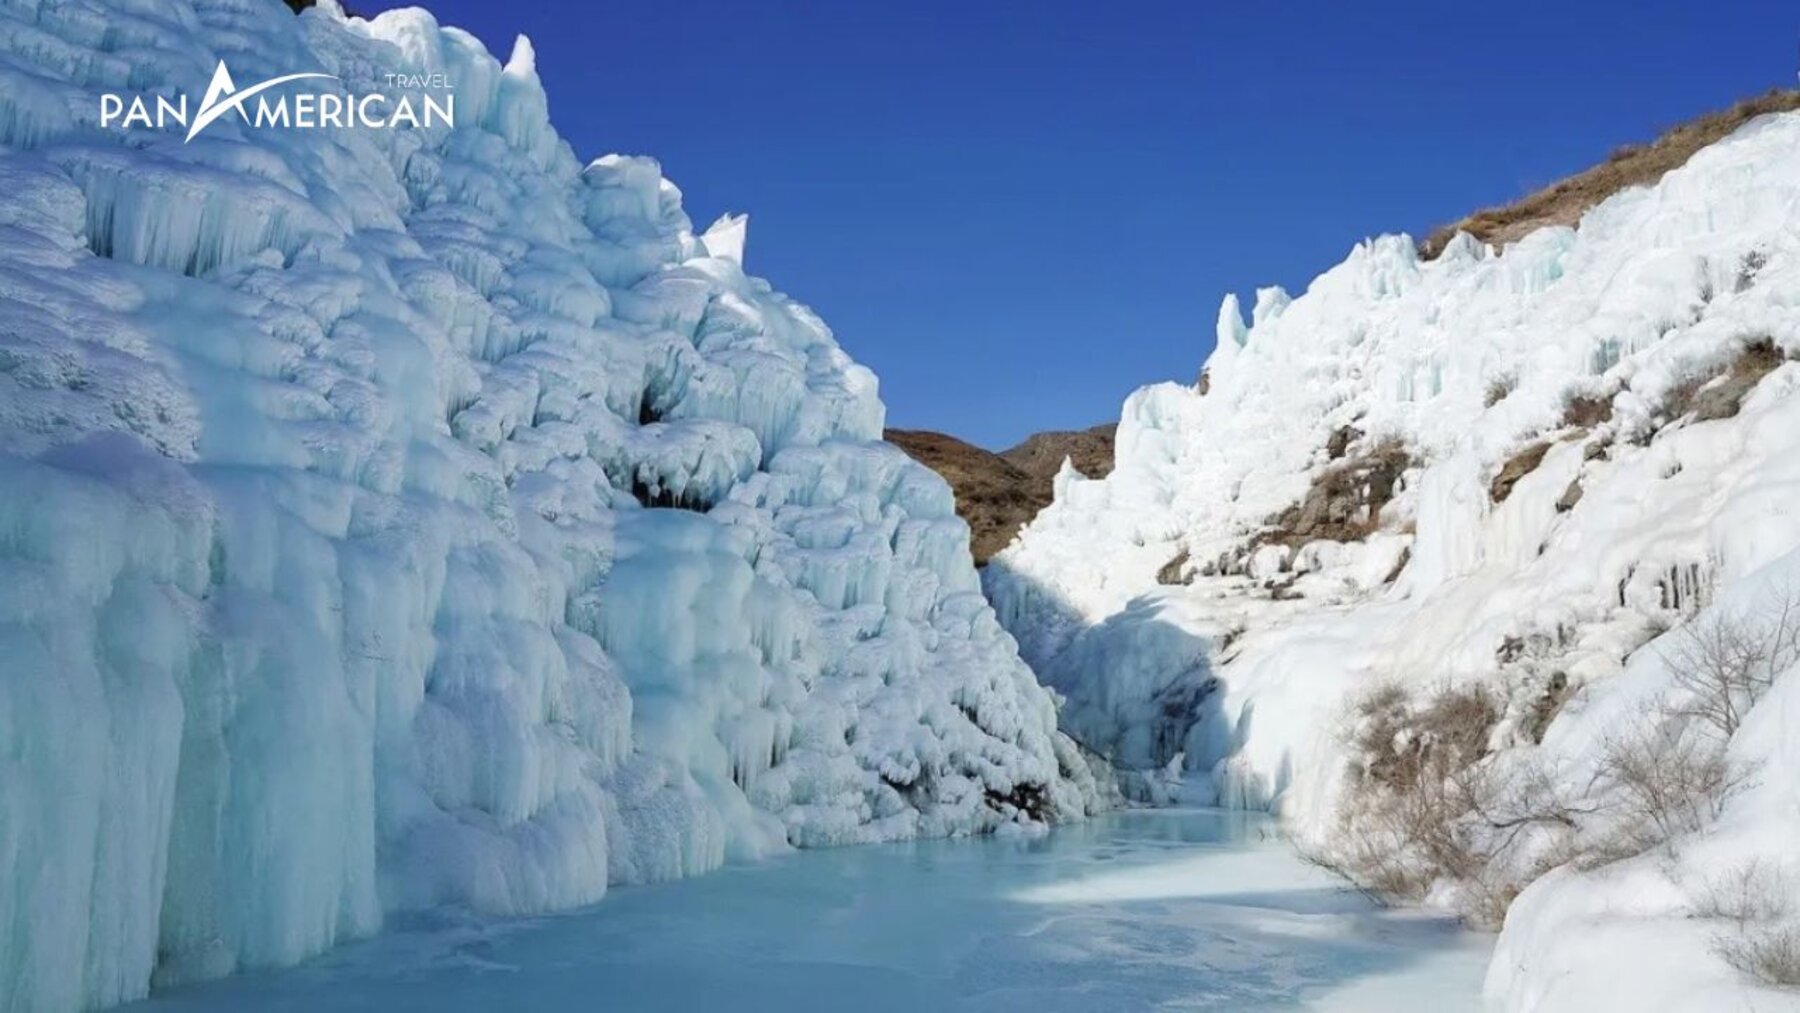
{"x":1505,"y":469}
{"x":395,"y":518}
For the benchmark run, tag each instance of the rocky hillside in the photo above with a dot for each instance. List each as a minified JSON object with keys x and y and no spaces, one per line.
{"x":1041,"y":454}
{"x":1564,"y":202}
{"x":999,"y":493}
{"x":1481,"y":570}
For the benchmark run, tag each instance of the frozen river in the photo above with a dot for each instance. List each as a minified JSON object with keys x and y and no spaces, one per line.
{"x":1184,"y":909}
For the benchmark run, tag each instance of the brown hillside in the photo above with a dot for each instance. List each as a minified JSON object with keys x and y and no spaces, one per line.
{"x":998,"y":493}
{"x":1563,"y":203}
{"x":1042,"y":453}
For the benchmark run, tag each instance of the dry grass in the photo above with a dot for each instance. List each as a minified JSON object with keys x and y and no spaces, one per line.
{"x":1563,"y":203}
{"x":1585,"y":411}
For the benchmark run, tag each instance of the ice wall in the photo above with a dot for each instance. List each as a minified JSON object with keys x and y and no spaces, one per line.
{"x":400,"y":518}
{"x":1576,"y":443}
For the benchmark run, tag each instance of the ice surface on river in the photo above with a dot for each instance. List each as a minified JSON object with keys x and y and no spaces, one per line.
{"x":399,"y":518}
{"x":1167,"y":909}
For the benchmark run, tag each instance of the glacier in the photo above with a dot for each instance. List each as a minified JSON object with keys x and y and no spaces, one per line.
{"x":1523,"y":470}
{"x":392,"y":519}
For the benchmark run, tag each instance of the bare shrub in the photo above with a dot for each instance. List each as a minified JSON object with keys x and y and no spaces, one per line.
{"x":1400,"y":744}
{"x":1756,"y":891}
{"x":1671,"y":776}
{"x":1665,"y":782}
{"x":1407,"y":827}
{"x":1430,"y":808}
{"x":1757,"y":899}
{"x":1769,"y":954}
{"x":1428,"y":804}
{"x":1762,"y":942}
{"x":1725,"y":662}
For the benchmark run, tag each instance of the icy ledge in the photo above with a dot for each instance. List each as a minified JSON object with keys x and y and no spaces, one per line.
{"x":392,"y":519}
{"x":1514,"y":477}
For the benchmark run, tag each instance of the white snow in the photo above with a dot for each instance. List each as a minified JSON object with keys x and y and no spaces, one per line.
{"x":328,"y":588}
{"x":1256,"y":656}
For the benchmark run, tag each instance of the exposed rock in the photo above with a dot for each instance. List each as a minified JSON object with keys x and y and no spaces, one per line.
{"x":1338,"y":443}
{"x":1176,"y":571}
{"x":1345,"y":501}
{"x":1516,"y":467}
{"x":1587,"y":411}
{"x":1722,"y":398}
{"x":1571,"y":496}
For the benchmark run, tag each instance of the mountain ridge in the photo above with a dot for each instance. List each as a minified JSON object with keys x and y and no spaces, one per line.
{"x":997,"y":493}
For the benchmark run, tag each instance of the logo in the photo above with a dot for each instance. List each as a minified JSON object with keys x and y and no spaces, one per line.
{"x":290,"y":109}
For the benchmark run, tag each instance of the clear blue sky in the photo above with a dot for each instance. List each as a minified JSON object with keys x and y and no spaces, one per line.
{"x":1018,"y":212}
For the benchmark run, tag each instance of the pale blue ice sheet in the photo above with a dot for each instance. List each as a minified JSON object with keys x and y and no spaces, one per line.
{"x":1192,"y":909}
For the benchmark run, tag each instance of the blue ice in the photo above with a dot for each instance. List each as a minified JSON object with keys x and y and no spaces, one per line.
{"x":1148,"y":909}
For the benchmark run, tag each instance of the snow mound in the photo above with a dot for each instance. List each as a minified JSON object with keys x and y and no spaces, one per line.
{"x":398,"y":518}
{"x":1510,"y":469}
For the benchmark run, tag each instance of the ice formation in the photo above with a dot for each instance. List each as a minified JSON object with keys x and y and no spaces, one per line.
{"x":397,"y":518}
{"x":1495,"y":467}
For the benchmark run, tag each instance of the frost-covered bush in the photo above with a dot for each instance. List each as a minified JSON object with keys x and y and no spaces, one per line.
{"x":1757,"y":900}
{"x":1660,"y":781}
{"x":1723,"y":663}
{"x":1768,"y":953}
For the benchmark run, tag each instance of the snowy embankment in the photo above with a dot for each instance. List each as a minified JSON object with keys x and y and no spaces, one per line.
{"x":399,"y":518}
{"x":1431,"y":559}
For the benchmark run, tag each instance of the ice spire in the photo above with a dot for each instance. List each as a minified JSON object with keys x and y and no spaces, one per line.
{"x":1232,"y":335}
{"x":724,"y":239}
{"x":523,"y":61}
